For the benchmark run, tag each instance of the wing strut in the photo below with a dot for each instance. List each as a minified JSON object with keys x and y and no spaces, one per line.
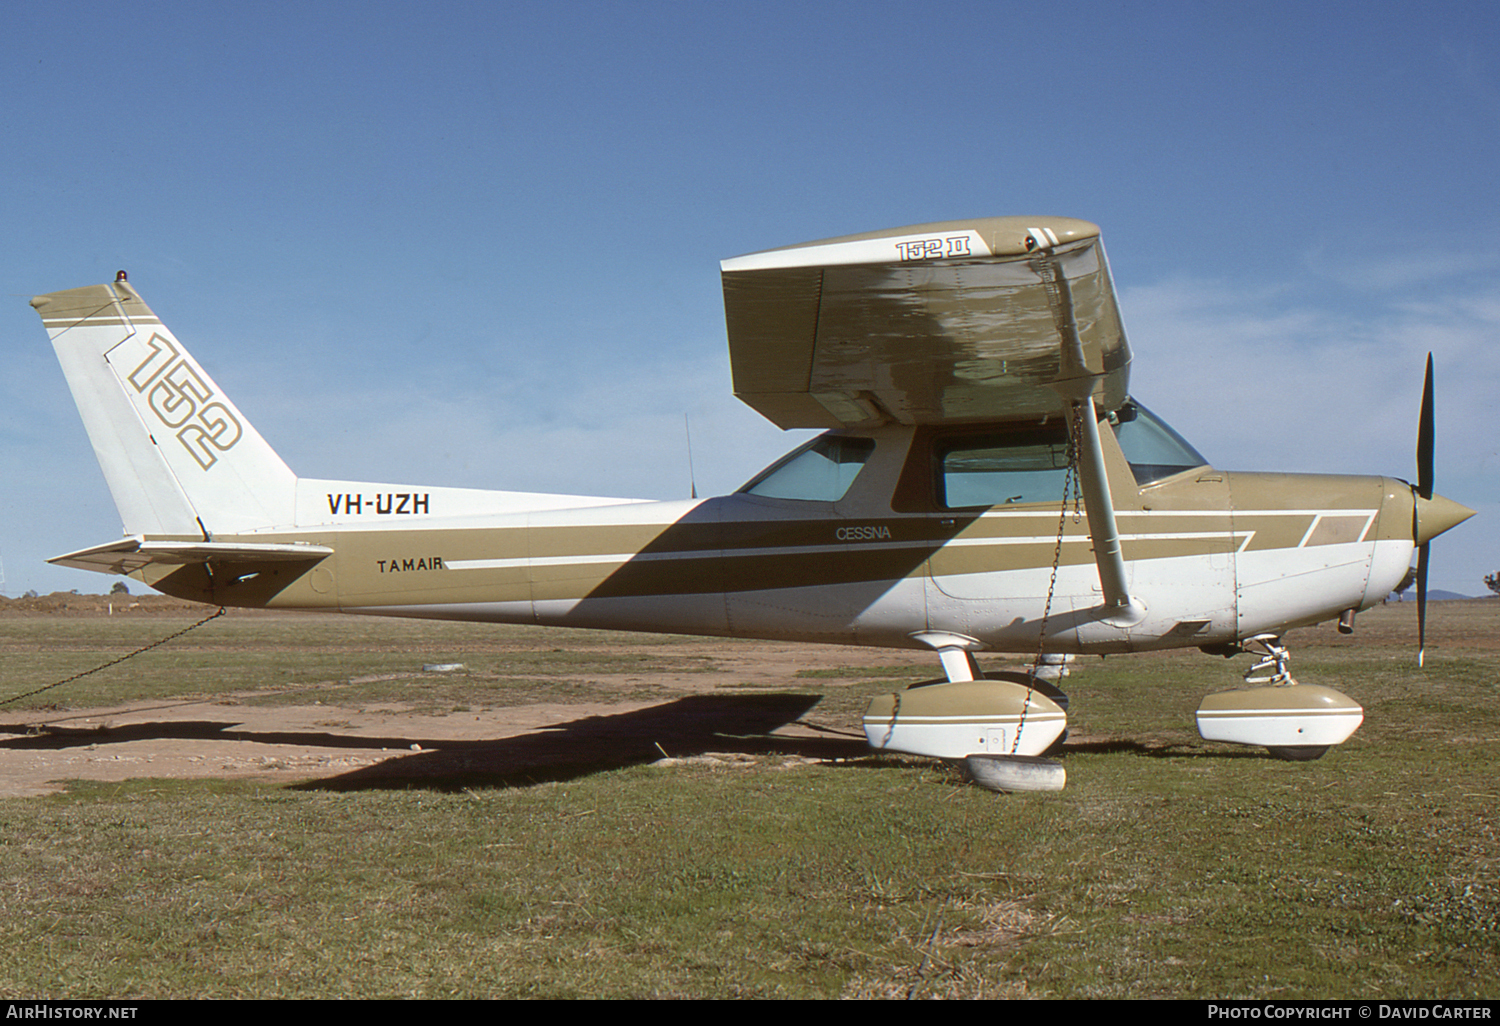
{"x":1121,"y":609}
{"x":1076,"y":382}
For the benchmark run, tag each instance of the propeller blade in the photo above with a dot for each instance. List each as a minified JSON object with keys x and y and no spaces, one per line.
{"x":1421,"y":604}
{"x":1424,"y":437}
{"x":1424,"y":489}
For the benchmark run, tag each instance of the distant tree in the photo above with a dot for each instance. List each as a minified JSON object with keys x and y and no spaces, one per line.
{"x":30,"y":593}
{"x":1405,"y":583}
{"x":119,"y":589}
{"x":1492,"y":581}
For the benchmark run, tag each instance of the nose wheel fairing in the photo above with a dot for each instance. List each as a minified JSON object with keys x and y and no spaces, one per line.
{"x":1294,"y":721}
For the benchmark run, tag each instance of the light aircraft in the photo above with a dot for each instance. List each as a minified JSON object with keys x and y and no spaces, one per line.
{"x":985,"y":483}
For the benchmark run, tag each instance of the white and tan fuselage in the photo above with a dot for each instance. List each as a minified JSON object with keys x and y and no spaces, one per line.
{"x":1213,"y":557}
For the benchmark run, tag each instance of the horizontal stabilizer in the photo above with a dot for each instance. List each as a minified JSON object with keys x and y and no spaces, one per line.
{"x":131,"y":554}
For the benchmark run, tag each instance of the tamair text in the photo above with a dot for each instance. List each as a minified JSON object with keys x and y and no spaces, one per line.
{"x":396,"y":566}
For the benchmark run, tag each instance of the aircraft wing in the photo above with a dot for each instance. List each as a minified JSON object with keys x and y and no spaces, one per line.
{"x":130,"y":554}
{"x":961,"y":321}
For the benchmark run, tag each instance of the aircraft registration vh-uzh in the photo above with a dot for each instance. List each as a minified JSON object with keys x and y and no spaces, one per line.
{"x":985,"y":484}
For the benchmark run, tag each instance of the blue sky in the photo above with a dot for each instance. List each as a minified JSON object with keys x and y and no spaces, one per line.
{"x":477,"y":243}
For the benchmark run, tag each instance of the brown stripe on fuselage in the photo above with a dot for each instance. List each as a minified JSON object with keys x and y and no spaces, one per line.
{"x":758,"y":555}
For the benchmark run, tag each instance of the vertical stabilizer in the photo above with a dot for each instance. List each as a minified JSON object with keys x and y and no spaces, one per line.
{"x":179,"y":457}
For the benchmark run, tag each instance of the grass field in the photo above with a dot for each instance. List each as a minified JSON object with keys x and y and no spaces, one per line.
{"x":1168,"y":867}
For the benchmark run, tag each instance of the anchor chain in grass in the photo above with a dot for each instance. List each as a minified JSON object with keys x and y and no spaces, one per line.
{"x":115,"y":662}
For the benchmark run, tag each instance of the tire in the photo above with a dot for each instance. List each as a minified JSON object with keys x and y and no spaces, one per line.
{"x":1297,"y":753}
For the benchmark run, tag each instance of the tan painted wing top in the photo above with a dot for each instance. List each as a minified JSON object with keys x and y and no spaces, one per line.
{"x":991,"y":319}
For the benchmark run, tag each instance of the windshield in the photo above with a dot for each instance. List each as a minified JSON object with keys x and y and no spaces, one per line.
{"x":1151,"y":447}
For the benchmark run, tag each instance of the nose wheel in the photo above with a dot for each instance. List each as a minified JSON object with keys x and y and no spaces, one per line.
{"x":1297,"y":753}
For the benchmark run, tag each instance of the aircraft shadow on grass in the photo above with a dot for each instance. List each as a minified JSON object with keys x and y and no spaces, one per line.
{"x":689,"y":726}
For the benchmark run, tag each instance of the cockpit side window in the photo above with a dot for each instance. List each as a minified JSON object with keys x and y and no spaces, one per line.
{"x":820,"y":471}
{"x":1003,"y":468}
{"x":1151,"y":447}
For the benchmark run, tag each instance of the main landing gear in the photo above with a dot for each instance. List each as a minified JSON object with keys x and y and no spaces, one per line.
{"x":997,"y":724}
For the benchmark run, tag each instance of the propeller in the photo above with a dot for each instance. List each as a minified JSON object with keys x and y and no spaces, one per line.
{"x":1431,"y":514}
{"x":1424,"y":490}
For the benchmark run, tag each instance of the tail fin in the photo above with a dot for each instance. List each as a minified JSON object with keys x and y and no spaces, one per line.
{"x":179,"y":458}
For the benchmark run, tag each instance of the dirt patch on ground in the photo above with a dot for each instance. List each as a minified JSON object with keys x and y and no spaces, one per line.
{"x":282,"y":743}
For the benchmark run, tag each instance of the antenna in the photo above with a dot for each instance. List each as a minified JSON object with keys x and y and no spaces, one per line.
{"x":692,"y":477}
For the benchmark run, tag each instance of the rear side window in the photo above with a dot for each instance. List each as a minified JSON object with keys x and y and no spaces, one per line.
{"x":821,"y":471}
